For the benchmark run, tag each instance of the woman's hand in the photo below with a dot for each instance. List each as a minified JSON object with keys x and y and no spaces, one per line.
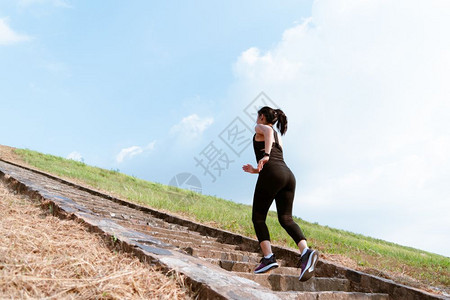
{"x":249,"y":169}
{"x":262,"y":162}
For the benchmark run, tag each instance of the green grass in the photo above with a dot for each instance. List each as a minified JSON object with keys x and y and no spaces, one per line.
{"x":428,"y":268}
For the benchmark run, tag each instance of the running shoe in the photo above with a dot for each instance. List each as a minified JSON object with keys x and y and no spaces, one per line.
{"x":266,"y":264}
{"x":307,"y":264}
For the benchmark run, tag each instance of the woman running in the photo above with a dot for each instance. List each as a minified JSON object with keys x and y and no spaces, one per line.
{"x":275,"y":181}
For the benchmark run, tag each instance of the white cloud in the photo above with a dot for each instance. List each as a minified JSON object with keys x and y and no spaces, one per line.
{"x":75,"y":156}
{"x":9,"y":36}
{"x":130,"y":152}
{"x":191,"y":127}
{"x":365,"y":87}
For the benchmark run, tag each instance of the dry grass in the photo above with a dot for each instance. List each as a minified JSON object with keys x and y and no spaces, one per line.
{"x":8,"y":154}
{"x":43,"y":257}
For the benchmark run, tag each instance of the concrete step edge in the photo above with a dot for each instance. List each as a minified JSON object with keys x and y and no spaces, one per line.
{"x":238,"y":266}
{"x":327,"y":295}
{"x":278,"y":282}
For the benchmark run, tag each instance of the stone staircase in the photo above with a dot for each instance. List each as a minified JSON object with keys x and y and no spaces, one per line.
{"x":242,"y":263}
{"x":217,"y":264}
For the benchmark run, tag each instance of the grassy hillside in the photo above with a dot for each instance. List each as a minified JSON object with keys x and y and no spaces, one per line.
{"x":404,"y":264}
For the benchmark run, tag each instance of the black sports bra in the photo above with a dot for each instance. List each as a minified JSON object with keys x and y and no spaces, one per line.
{"x":276,"y":153}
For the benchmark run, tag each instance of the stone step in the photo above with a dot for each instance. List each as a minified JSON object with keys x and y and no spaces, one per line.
{"x":194,"y":242}
{"x":280,"y":282}
{"x":192,"y":236}
{"x":225,"y":255}
{"x":190,"y":247}
{"x":187,"y":236}
{"x":331,"y":296}
{"x":135,"y":217}
{"x":245,"y":267}
{"x":182,"y":239}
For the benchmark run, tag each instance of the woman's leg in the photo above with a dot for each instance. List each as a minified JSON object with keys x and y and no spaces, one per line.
{"x":266,"y":247}
{"x":285,"y":201}
{"x":302,"y":245}
{"x":287,"y":222}
{"x":265,"y":190}
{"x":261,"y":204}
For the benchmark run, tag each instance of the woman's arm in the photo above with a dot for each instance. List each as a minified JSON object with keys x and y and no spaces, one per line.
{"x":267,"y":131}
{"x":249,"y":169}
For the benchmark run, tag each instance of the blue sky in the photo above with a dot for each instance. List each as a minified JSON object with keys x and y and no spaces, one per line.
{"x":153,"y":88}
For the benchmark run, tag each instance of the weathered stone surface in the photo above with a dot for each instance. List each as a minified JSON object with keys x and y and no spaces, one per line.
{"x":283,"y":282}
{"x":333,"y":296}
{"x":245,"y":267}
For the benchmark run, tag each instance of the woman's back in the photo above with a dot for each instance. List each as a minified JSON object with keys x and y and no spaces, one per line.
{"x":276,"y":154}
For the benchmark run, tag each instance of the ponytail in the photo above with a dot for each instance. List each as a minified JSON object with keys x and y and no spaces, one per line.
{"x":281,"y":121}
{"x":275,"y":116}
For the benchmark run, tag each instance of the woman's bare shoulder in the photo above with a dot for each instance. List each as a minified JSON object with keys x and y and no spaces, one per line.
{"x":262,"y":129}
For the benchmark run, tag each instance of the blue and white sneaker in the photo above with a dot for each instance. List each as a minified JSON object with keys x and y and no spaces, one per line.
{"x":266,"y":264}
{"x":307,"y":264}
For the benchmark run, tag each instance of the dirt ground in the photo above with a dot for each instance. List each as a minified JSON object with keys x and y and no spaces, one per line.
{"x":7,"y":153}
{"x":42,"y":256}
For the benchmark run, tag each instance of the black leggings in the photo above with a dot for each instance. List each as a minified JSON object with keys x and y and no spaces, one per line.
{"x":275,"y":181}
